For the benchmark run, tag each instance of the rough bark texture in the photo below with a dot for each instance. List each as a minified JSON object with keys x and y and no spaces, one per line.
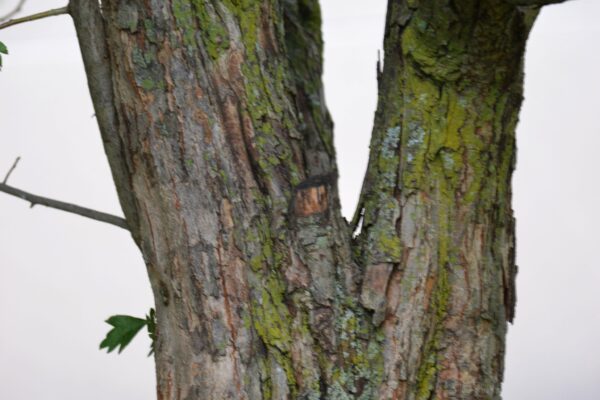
{"x":216,"y":130}
{"x":437,"y":225}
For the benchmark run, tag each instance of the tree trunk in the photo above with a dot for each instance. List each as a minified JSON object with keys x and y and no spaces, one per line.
{"x":221,"y":147}
{"x":437,"y":238}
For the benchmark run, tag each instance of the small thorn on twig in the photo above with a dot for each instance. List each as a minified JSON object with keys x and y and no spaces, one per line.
{"x":11,"y":170}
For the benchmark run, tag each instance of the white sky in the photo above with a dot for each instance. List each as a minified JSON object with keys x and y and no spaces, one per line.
{"x":62,"y":275}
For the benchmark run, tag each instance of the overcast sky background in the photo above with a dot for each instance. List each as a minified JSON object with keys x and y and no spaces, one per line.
{"x":61,"y":276}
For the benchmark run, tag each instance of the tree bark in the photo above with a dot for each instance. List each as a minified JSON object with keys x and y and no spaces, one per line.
{"x":437,"y":237}
{"x":221,"y":146}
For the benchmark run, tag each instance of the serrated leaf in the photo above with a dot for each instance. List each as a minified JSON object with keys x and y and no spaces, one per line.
{"x":125,"y":328}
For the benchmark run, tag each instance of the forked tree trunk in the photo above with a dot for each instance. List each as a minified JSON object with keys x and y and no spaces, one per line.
{"x":220,"y":143}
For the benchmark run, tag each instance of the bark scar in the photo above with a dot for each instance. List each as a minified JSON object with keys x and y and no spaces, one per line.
{"x":312,"y":195}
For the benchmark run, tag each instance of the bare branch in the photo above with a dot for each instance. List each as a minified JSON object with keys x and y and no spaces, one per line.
{"x":44,"y":14}
{"x":68,"y":207}
{"x":11,"y":169}
{"x":14,"y":11}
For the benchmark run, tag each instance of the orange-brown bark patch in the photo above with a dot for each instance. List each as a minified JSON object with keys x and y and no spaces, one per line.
{"x":311,"y":200}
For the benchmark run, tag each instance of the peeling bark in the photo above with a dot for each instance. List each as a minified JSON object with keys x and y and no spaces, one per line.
{"x":221,"y":146}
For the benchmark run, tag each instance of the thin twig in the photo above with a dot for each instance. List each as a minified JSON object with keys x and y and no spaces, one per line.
{"x":11,"y":170}
{"x":68,"y":207}
{"x":44,"y":14}
{"x":14,"y":11}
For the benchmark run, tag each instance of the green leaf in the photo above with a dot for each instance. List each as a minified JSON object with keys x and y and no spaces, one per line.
{"x":125,"y":329}
{"x":3,"y":50}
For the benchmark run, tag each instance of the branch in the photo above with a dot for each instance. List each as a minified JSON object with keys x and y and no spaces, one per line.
{"x":13,"y":11}
{"x":11,"y":169}
{"x":68,"y":207}
{"x":44,"y":14}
